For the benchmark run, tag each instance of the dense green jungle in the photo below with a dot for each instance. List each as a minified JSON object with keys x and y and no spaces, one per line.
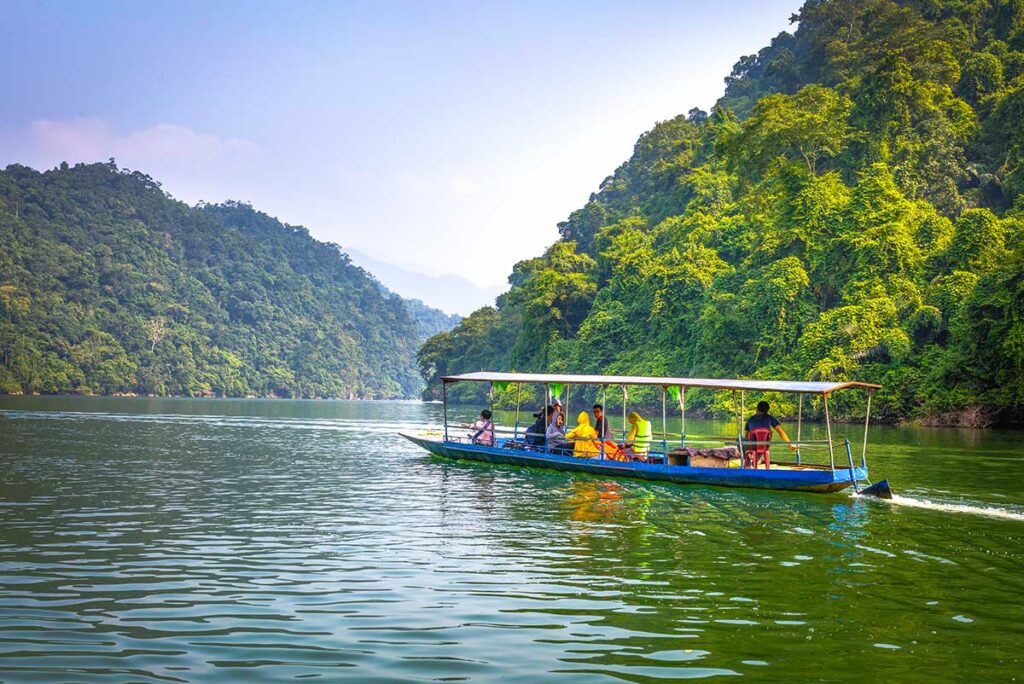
{"x":851,"y":208}
{"x":109,"y":286}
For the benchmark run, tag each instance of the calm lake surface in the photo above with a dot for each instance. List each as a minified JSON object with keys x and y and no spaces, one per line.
{"x":200,"y":540}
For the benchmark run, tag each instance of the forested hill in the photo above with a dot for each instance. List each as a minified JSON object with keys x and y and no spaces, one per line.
{"x":428,"y":320}
{"x":852,"y":208}
{"x":109,"y":286}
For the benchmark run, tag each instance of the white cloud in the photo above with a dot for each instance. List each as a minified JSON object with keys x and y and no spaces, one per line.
{"x":168,"y":144}
{"x":70,"y":140}
{"x":190,"y":164}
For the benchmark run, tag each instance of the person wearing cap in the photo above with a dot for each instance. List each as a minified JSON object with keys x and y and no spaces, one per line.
{"x":557,"y":404}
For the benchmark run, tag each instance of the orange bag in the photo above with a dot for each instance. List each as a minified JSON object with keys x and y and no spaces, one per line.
{"x":614,"y":452}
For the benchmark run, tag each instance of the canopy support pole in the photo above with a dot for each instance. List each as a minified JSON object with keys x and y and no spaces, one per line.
{"x":490,"y":399}
{"x":739,"y":429}
{"x":604,"y":421}
{"x":828,"y":429}
{"x":444,"y":401}
{"x":864,"y":448}
{"x":664,"y":424}
{"x":519,"y":399}
{"x":799,"y":424}
{"x":547,"y":417}
{"x":682,"y":416}
{"x":623,"y":413}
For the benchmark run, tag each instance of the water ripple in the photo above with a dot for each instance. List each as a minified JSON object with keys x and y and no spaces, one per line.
{"x":194,"y":541}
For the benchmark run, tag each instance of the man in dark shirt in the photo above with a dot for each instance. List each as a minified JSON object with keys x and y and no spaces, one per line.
{"x":764,"y":420}
{"x":535,"y":433}
{"x":601,"y":426}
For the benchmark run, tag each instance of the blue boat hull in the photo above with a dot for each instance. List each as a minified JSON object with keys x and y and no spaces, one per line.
{"x":808,"y":479}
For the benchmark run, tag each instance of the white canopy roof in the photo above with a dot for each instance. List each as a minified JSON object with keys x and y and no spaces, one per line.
{"x":751,"y":385}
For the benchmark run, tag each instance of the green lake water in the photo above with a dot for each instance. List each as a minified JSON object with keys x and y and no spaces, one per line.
{"x":207,"y":540}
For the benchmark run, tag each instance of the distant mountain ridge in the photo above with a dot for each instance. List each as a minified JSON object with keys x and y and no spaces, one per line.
{"x":428,"y":320}
{"x":108,"y":285}
{"x":448,"y":292}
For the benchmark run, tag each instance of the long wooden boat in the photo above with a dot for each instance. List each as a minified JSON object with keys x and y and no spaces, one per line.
{"x":671,"y":464}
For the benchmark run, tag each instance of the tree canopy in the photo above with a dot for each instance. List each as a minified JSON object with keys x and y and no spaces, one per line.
{"x":852,"y":208}
{"x":107,"y":285}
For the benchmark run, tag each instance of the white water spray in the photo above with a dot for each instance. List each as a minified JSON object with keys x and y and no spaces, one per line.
{"x":990,"y":511}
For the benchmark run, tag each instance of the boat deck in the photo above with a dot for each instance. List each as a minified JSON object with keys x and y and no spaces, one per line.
{"x":715,"y":467}
{"x":783,"y":476}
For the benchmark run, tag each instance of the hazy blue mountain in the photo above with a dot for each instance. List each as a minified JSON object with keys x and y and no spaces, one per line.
{"x":451,"y":293}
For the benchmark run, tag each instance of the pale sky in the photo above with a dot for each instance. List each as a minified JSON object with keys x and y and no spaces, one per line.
{"x":449,"y":137}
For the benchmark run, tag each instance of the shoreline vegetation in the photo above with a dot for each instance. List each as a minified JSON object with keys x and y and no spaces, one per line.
{"x":851,"y":209}
{"x":968,"y":419}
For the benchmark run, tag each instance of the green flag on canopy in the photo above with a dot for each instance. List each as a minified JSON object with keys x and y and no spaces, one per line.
{"x":673,"y":391}
{"x":556,"y":389}
{"x":501,"y":386}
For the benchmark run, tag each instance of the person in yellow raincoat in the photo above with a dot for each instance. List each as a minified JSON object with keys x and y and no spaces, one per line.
{"x":638,"y":441}
{"x":583,"y":437}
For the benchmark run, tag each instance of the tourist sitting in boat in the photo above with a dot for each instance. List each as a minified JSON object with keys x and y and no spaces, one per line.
{"x":536,"y":433}
{"x":758,"y":436}
{"x":555,"y":435}
{"x":638,"y":441}
{"x":482,"y":429}
{"x":583,"y":437}
{"x":611,"y":449}
{"x":601,"y":426}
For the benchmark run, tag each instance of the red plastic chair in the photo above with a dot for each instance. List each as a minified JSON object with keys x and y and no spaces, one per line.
{"x":758,"y":441}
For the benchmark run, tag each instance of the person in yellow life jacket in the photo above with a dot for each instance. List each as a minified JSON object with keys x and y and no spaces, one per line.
{"x":583,"y":437}
{"x":638,"y":441}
